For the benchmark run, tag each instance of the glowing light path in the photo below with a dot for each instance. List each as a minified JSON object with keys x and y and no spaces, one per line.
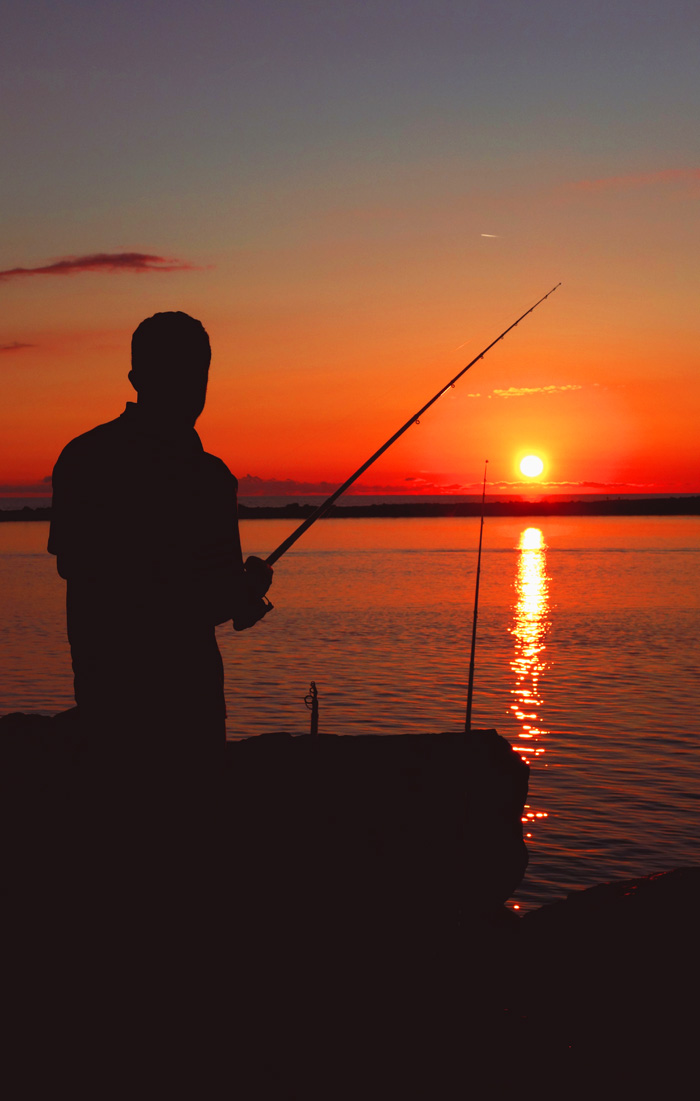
{"x":529,"y":630}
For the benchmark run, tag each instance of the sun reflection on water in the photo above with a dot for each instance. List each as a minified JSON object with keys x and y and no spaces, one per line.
{"x":530,"y":626}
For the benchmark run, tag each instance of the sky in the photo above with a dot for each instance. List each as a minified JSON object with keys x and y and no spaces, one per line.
{"x":355,"y":199}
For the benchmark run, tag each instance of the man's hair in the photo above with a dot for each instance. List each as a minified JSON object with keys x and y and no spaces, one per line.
{"x":173,"y":340}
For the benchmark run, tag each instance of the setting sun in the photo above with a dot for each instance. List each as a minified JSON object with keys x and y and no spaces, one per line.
{"x":531,"y":466}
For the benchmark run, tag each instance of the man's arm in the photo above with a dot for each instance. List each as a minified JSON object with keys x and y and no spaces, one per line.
{"x":231,"y":588}
{"x":71,"y":534}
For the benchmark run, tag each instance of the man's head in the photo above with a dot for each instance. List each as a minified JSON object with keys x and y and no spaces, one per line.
{"x":170,"y":356}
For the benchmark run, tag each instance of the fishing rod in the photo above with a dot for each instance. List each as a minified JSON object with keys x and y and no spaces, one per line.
{"x":323,"y":508}
{"x":470,"y":689}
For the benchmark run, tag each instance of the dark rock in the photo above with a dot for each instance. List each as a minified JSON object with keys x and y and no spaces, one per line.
{"x":404,"y":828}
{"x":610,"y":973}
{"x":311,"y":924}
{"x":329,"y":923}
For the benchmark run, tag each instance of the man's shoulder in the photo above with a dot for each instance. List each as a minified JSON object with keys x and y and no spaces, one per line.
{"x":217,"y":469}
{"x":91,"y":443}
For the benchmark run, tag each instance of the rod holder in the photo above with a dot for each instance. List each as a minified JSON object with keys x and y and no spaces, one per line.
{"x":311,"y":701}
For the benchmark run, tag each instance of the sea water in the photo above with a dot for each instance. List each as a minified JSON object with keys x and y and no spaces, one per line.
{"x":586,"y":661}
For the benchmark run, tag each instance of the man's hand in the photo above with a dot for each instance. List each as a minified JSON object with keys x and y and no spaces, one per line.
{"x":258,"y":576}
{"x":250,"y":604}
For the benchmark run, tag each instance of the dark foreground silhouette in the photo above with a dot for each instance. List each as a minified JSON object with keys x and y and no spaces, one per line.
{"x":324,"y":920}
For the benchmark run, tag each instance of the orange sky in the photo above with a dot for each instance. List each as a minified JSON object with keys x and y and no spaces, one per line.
{"x":352,"y":238}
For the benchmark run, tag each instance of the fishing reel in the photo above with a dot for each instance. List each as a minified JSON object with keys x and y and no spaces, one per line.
{"x":252,"y":604}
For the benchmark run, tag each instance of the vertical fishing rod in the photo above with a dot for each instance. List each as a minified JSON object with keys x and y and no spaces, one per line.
{"x":470,"y":689}
{"x":323,"y":508}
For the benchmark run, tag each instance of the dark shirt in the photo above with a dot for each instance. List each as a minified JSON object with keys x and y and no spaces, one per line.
{"x":144,"y":527}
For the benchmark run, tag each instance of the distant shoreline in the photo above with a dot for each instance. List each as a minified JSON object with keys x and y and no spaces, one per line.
{"x":618,"y":506}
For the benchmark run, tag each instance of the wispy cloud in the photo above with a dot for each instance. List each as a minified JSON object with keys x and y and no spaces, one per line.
{"x":436,"y":485}
{"x":534,"y":486}
{"x":15,"y":346}
{"x":27,"y":489}
{"x":527,"y":391}
{"x":490,"y":235}
{"x":250,"y":485}
{"x":637,"y":180}
{"x":105,"y":262}
{"x":611,"y":485}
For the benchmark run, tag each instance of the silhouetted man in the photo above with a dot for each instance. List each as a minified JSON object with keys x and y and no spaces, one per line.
{"x":145,"y":530}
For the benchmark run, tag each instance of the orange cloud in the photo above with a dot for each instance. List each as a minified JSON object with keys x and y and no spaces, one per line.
{"x":250,"y":485}
{"x":641,"y":179}
{"x":526,"y":391}
{"x":607,"y":486}
{"x":102,"y":261}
